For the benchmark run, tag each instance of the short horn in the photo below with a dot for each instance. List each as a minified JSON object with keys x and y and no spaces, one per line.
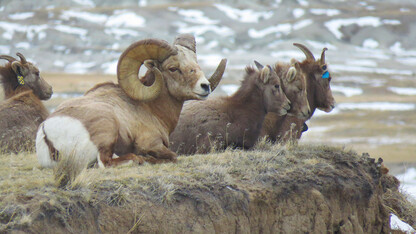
{"x":215,"y":79}
{"x":22,"y":58}
{"x":131,"y":60}
{"x":305,"y":50}
{"x":8,"y":58}
{"x":258,"y":65}
{"x":323,"y":56}
{"x":186,"y":40}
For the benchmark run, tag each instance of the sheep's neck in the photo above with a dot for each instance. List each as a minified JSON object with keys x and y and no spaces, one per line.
{"x":9,"y":82}
{"x":311,"y":92}
{"x":250,"y":104}
{"x":167,"y":109}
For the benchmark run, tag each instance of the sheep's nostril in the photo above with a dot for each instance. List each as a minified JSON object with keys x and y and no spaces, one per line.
{"x":205,"y":87}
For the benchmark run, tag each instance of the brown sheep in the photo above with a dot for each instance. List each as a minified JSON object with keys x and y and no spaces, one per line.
{"x":22,"y":111}
{"x":295,"y":90}
{"x":319,"y":95}
{"x":234,"y":121}
{"x":128,"y":121}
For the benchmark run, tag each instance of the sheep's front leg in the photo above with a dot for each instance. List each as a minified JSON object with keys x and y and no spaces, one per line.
{"x":156,"y":152}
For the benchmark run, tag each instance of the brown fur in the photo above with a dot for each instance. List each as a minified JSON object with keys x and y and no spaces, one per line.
{"x":229,"y":121}
{"x":132,"y":129}
{"x":296,"y":92}
{"x":319,"y":96}
{"x":22,"y":111}
{"x":20,"y":117}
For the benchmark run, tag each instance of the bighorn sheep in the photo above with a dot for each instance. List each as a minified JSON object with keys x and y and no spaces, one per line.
{"x":22,"y":111}
{"x":128,"y":119}
{"x":319,"y":95}
{"x":230,"y":121}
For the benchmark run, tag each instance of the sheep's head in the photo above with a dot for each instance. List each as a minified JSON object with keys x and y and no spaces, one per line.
{"x":294,"y":86}
{"x":174,"y":67}
{"x":320,"y":78}
{"x":28,"y":76}
{"x":274,"y":97}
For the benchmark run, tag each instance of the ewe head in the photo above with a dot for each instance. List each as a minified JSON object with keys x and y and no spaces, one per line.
{"x":174,"y":67}
{"x":28,"y":77}
{"x":319,"y":79}
{"x":274,"y":97}
{"x":294,"y":86}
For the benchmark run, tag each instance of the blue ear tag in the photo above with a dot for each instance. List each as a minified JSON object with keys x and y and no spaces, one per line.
{"x":20,"y":79}
{"x":325,"y":75}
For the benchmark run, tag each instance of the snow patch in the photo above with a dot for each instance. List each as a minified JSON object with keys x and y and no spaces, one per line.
{"x":118,"y":33}
{"x":21,"y":16}
{"x":403,"y":91}
{"x":370,"y":43}
{"x":384,"y":71}
{"x":110,"y":67}
{"x":335,"y":25}
{"x":377,"y":106}
{"x":298,"y":12}
{"x":327,"y":12}
{"x":196,"y":16}
{"x":79,"y":67}
{"x":122,"y":18}
{"x":72,"y":30}
{"x":244,"y":16}
{"x":23,"y":45}
{"x":87,"y":16}
{"x":279,"y":30}
{"x":89,"y":3}
{"x":347,"y":91}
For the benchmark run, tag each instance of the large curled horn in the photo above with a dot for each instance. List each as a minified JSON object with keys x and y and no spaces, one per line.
{"x":305,"y":50}
{"x":215,"y":79}
{"x":323,"y":55}
{"x":8,"y":58}
{"x":186,"y":40}
{"x":132,"y":59}
{"x":22,"y":58}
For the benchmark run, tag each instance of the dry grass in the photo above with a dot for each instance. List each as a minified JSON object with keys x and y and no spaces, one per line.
{"x":28,"y":191}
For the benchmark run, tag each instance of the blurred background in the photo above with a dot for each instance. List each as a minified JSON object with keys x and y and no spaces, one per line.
{"x":372,"y":55}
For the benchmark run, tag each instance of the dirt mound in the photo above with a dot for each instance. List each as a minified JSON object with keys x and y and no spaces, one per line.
{"x":268,"y":190}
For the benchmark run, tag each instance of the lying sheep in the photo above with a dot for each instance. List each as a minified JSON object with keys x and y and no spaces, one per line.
{"x":22,"y":110}
{"x":230,"y":121}
{"x":319,"y":95}
{"x":129,"y":119}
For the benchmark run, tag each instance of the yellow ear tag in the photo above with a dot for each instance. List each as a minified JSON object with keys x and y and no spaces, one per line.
{"x":20,"y":79}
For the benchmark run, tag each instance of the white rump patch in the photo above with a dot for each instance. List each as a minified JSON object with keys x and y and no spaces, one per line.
{"x":69,"y":136}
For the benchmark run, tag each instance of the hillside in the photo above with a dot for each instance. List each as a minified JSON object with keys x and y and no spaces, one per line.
{"x":309,"y":188}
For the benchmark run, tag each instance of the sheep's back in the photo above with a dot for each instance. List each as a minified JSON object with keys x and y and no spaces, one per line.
{"x":20,"y":119}
{"x":199,"y":123}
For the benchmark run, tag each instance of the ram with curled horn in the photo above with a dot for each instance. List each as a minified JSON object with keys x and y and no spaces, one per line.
{"x":131,"y":120}
{"x":22,"y":111}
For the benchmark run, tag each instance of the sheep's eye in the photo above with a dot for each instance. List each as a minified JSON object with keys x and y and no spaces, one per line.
{"x":37,"y":73}
{"x":276,"y":86}
{"x":173,"y":69}
{"x":324,"y":67}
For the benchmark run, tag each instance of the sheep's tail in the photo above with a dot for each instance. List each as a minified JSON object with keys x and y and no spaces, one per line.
{"x":53,"y":153}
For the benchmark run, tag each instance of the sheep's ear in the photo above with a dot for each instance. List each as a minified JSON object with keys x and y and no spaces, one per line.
{"x":258,"y":65}
{"x":18,"y":68}
{"x":265,"y":74}
{"x":293,"y":61}
{"x":291,"y":74}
